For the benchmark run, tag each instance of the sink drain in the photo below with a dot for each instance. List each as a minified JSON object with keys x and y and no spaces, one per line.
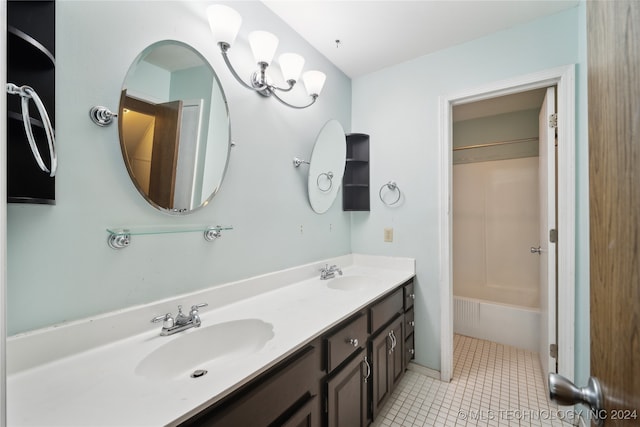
{"x":199,"y":373}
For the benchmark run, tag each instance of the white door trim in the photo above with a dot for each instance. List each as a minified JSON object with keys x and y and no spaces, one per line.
{"x":3,"y":225}
{"x":564,"y":78}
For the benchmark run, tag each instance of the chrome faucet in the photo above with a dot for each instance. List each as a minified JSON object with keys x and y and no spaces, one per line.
{"x":181,"y":322}
{"x":327,"y":272}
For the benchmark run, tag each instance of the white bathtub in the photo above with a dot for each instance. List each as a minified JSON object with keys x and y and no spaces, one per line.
{"x":502,"y":323}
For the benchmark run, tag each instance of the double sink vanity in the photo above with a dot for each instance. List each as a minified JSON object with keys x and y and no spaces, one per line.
{"x":285,"y":348}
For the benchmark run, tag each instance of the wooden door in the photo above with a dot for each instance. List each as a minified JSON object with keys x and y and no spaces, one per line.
{"x":613,"y":33}
{"x":164,"y":156}
{"x":347,"y":395}
{"x":547,"y":249}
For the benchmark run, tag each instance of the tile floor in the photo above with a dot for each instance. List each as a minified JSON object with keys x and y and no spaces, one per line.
{"x":493,"y":385}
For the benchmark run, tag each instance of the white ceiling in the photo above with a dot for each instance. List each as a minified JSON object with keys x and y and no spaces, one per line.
{"x":375,"y":34}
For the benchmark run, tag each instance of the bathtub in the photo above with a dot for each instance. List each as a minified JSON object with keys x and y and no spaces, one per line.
{"x":502,"y":323}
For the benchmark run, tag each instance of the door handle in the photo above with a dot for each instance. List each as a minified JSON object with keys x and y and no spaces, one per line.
{"x":537,"y":250}
{"x":565,"y":393}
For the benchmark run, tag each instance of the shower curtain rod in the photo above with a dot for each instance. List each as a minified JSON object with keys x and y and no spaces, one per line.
{"x":493,"y":144}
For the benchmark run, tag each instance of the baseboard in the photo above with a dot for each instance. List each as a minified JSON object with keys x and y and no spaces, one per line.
{"x":431,"y":373}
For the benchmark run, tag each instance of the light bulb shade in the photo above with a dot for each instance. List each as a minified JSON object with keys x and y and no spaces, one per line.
{"x":314,"y":81}
{"x":263,"y":45}
{"x":224,"y":22}
{"x":291,"y":66}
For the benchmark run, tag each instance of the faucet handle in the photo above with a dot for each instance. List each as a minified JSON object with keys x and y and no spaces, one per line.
{"x":195,"y":307}
{"x":195,"y":316}
{"x":167,"y":320}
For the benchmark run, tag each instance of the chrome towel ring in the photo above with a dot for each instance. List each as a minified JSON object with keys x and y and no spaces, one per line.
{"x":391,"y":186}
{"x":26,"y":93}
{"x":329,"y":176}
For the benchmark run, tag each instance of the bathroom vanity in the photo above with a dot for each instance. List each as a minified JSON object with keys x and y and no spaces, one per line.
{"x":334,"y":380}
{"x":249,"y":363}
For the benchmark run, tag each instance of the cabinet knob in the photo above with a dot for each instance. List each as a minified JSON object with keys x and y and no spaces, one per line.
{"x":412,"y":296}
{"x":411,"y":323}
{"x":353,"y":341}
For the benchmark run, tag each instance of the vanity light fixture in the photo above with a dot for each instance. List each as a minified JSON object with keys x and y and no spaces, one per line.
{"x":225,"y":23}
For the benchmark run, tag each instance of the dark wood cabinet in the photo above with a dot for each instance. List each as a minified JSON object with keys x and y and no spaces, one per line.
{"x":355,"y":182}
{"x":30,"y":62}
{"x":285,"y":395}
{"x":305,"y":416}
{"x":409,"y":322}
{"x":347,"y":394}
{"x":387,"y":361}
{"x":340,"y":379}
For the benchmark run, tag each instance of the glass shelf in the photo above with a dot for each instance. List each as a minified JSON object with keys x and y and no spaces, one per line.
{"x":120,"y":237}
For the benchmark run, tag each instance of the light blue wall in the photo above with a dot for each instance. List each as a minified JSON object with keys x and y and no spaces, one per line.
{"x":60,"y":268}
{"x":398,"y":107}
{"x":59,"y":265}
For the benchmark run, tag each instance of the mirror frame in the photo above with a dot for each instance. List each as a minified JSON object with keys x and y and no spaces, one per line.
{"x":316,"y":195}
{"x":125,"y":157}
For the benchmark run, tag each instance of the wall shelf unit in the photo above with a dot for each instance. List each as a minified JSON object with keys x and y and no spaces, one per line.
{"x":30,"y":62}
{"x":355,"y":183}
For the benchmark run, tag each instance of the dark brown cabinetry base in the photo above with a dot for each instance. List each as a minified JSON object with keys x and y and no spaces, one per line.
{"x":285,"y":395}
{"x":340,"y":379}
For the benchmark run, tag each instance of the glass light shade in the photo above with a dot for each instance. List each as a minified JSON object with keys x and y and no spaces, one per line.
{"x":224,"y":22}
{"x":291,"y":65}
{"x":263,"y":45}
{"x":314,"y":81}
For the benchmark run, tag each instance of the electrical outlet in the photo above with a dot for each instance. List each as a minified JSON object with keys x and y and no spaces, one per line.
{"x":388,"y":234}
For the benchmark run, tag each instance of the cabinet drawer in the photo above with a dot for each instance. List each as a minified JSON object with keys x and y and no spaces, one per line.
{"x":409,"y":350}
{"x":385,"y":310}
{"x":409,"y":323}
{"x":345,"y":341}
{"x":269,"y":397}
{"x":409,"y":295}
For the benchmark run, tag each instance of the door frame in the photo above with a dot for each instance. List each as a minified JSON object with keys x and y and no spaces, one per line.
{"x":564,"y":78}
{"x":3,"y":225}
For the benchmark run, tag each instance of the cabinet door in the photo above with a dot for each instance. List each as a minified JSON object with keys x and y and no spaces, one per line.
{"x":347,"y":395}
{"x":396,"y":356}
{"x":305,"y":416}
{"x":387,"y":359}
{"x":381,"y":388}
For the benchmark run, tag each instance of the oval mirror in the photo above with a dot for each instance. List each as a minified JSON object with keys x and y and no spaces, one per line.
{"x":174,"y":127}
{"x":326,"y":166}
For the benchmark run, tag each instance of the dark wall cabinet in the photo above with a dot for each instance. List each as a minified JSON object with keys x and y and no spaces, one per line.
{"x":30,"y":62}
{"x":355,"y":183}
{"x":341,"y":379}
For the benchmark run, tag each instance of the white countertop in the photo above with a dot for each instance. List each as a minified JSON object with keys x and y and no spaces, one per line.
{"x":99,"y":386}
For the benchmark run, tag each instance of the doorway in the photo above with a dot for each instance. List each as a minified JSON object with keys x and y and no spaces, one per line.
{"x":563,"y":79}
{"x":503,"y":196}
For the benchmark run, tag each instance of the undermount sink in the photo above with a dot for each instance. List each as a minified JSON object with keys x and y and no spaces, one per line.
{"x":204,"y":348}
{"x":350,"y":283}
